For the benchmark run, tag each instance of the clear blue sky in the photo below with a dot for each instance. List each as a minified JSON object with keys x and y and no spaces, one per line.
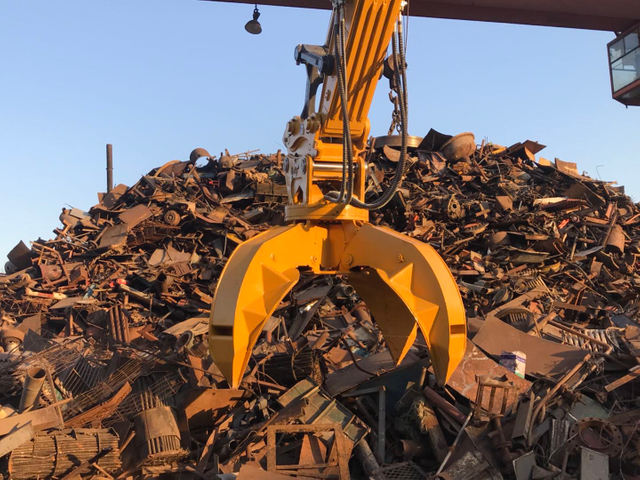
{"x":157,"y":78}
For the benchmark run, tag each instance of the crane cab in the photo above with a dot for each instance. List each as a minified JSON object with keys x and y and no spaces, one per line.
{"x":624,"y":67}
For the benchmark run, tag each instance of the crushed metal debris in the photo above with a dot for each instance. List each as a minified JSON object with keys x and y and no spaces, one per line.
{"x":105,"y":369}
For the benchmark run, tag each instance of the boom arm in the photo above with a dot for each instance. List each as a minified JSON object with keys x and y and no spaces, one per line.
{"x":314,"y":140}
{"x":370,"y":25}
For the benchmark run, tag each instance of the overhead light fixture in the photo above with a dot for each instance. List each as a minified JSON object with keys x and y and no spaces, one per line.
{"x":253,"y":26}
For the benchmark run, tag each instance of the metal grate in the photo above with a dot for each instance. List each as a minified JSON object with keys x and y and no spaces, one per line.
{"x":119,"y":324}
{"x":53,"y":360}
{"x":605,"y":335}
{"x":84,"y":374}
{"x":403,"y":471}
{"x":57,"y":453}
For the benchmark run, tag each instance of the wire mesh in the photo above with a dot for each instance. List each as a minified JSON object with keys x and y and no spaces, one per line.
{"x":150,"y":391}
{"x":128,"y":372}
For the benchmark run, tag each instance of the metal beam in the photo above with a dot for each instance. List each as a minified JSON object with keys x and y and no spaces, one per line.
{"x":610,"y":15}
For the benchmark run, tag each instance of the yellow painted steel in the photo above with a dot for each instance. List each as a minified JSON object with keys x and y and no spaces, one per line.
{"x":318,"y":138}
{"x":427,"y":294}
{"x":404,"y":282}
{"x":325,"y":211}
{"x":370,"y":25}
{"x":255,"y":279}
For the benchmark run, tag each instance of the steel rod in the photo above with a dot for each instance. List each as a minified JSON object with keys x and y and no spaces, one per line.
{"x":109,"y":167}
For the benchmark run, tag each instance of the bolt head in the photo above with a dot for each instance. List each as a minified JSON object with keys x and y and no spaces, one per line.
{"x":347,"y":258}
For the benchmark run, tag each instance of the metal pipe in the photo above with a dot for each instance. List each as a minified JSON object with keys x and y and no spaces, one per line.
{"x":329,"y":167}
{"x":368,"y":460}
{"x":408,"y":449}
{"x":32,"y":386}
{"x":320,"y":341}
{"x":163,"y":282}
{"x":361,"y":312}
{"x":109,"y":167}
{"x":382,"y":422}
{"x":441,"y":403}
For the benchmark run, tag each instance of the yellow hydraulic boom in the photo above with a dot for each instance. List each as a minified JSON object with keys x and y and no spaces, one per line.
{"x":404,"y":282}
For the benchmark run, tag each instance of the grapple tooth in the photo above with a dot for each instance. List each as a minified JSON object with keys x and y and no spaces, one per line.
{"x":407,"y":289}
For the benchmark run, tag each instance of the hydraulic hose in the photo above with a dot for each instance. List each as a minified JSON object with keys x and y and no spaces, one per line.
{"x":345,"y":122}
{"x":343,"y":182}
{"x":400,"y":74}
{"x":345,"y":196}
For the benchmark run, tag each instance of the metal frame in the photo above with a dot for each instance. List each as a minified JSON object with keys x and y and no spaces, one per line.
{"x":617,"y":95}
{"x":382,"y":413}
{"x":610,"y":16}
{"x":343,"y":452}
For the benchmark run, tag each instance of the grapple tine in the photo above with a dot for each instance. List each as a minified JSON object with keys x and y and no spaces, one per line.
{"x":404,"y":282}
{"x":409,"y":289}
{"x":258,"y":275}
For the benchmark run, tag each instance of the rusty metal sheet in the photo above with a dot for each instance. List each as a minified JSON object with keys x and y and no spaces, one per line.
{"x":351,"y":376}
{"x":569,"y":168}
{"x":168,"y":256}
{"x":543,"y":356}
{"x":203,"y":405}
{"x":33,"y":323}
{"x":20,"y":256}
{"x":135,"y":215}
{"x":580,"y":190}
{"x":114,"y":235}
{"x":70,"y":302}
{"x":525,"y":150}
{"x":198,"y":325}
{"x":475,"y":363}
{"x":108,"y":200}
{"x":40,"y":419}
{"x":313,"y":452}
{"x":15,"y":439}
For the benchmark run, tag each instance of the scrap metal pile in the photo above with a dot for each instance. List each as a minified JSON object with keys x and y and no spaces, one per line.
{"x":105,"y":371}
